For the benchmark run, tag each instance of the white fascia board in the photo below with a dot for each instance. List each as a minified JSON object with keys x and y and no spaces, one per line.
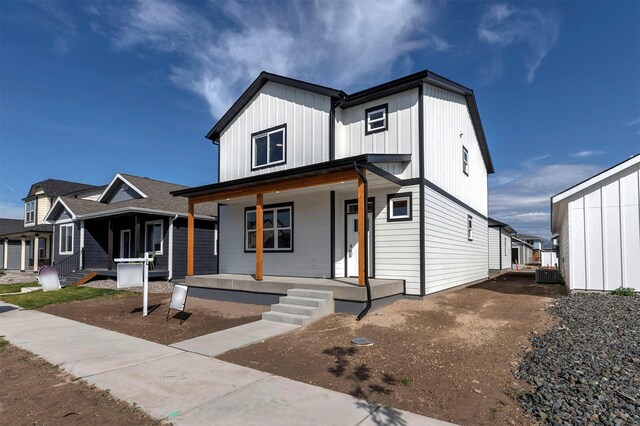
{"x":143,"y":210}
{"x":596,"y":179}
{"x":118,"y":176}
{"x":58,"y":200}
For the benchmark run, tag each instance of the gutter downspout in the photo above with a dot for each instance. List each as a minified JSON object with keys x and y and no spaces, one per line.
{"x":366,"y":243}
{"x":170,"y":266}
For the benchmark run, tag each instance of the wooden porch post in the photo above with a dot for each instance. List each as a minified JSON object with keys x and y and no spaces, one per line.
{"x":190,"y":237}
{"x":110,"y":245}
{"x":259,"y":236}
{"x":362,"y":228}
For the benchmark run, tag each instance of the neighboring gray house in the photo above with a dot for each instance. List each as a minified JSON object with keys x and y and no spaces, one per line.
{"x":500,"y":235}
{"x":25,"y":244}
{"x":521,"y":252}
{"x":126,"y":218}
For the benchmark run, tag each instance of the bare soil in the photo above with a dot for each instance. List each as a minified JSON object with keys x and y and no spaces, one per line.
{"x":448,"y":356}
{"x":36,"y":392}
{"x":123,"y":313}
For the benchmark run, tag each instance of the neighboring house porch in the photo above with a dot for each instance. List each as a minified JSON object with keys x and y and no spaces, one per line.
{"x":24,"y":248}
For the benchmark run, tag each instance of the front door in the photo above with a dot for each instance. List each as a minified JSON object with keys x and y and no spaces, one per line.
{"x":125,"y":243}
{"x":352,"y":238}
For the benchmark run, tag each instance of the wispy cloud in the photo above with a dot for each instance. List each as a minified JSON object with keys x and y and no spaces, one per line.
{"x":633,"y":122}
{"x":11,"y":211}
{"x":587,"y":153}
{"x":520,"y":196}
{"x":333,"y":43}
{"x":504,"y":25}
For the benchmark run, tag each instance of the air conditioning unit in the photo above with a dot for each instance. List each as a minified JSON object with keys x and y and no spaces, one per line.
{"x":548,"y":276}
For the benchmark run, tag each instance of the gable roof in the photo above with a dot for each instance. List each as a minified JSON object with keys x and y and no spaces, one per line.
{"x":157,"y":199}
{"x":497,"y":224}
{"x":57,"y":187}
{"x":16,"y":226}
{"x":347,"y":101}
{"x":123,"y":179}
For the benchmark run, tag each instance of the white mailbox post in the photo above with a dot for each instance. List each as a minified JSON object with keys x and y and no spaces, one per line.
{"x":134,"y":272}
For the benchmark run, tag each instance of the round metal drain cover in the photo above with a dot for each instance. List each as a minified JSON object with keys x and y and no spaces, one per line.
{"x":362,"y":341}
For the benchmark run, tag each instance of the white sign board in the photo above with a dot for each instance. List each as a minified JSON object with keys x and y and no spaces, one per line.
{"x":179,"y":297}
{"x":130,"y":275}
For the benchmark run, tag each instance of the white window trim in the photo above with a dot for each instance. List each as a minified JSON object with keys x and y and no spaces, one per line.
{"x":403,"y":216}
{"x":268,"y":135}
{"x":67,"y":225}
{"x":153,"y":222}
{"x":470,"y":228}
{"x":275,"y":230}
{"x":465,"y":160}
{"x":382,"y":119}
{"x":32,"y":211}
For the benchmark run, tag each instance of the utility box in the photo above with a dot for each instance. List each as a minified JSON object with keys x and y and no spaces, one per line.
{"x":548,"y":276}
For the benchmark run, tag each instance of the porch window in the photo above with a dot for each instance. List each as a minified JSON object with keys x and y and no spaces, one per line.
{"x":153,"y":236}
{"x":66,"y":239}
{"x":465,"y":161}
{"x":470,"y":228}
{"x":269,"y":147}
{"x":399,"y":207}
{"x":376,"y":119}
{"x":277,"y":226}
{"x":30,"y":211}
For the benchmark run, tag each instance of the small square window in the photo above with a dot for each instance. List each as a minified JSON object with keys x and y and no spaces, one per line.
{"x":269,"y":147}
{"x":399,"y":207}
{"x":376,"y":119}
{"x":470,"y":228}
{"x":465,"y":161}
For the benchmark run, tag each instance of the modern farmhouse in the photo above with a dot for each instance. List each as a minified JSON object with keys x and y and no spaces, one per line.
{"x":385,"y":188}
{"x":598,"y":227}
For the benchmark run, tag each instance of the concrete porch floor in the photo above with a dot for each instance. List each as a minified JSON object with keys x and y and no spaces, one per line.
{"x":343,"y":288}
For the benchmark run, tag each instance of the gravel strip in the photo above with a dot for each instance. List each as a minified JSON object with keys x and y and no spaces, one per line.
{"x":14,"y":277}
{"x":587,"y":370}
{"x":154,"y":286}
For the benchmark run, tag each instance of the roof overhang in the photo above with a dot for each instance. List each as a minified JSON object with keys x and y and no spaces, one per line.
{"x":311,"y":171}
{"x":497,"y":224}
{"x":519,"y":241}
{"x":125,"y":210}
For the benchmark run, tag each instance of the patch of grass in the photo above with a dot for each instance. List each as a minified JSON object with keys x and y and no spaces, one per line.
{"x":3,"y":343}
{"x":15,"y":288}
{"x":104,"y":393}
{"x":624,"y":291}
{"x":38,"y":299}
{"x":406,"y":380}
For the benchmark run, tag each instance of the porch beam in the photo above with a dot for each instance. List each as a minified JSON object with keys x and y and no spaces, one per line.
{"x":190,"y":237}
{"x":280,"y":186}
{"x":362,"y":228}
{"x":259,"y":235}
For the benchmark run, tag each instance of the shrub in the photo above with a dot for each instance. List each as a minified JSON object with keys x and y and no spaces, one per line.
{"x":624,"y":291}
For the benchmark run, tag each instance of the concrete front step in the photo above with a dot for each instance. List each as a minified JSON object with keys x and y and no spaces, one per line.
{"x":286,"y":318}
{"x":302,"y":301}
{"x":311,"y":294}
{"x":293,"y":309}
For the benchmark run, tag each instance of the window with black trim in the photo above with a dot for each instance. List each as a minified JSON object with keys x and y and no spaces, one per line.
{"x":465,"y":161}
{"x":376,"y":119}
{"x":469,"y":228}
{"x":268,"y":147}
{"x":277,"y":222}
{"x":399,"y":207}
{"x":30,"y":211}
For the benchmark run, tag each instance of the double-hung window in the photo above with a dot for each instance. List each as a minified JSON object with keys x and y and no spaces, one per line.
{"x":399,"y":207}
{"x":153,"y":237}
{"x":268,"y":147}
{"x":30,"y":211}
{"x":66,"y":239}
{"x":465,"y":161}
{"x":470,"y":228}
{"x":277,"y":222}
{"x":376,"y":119}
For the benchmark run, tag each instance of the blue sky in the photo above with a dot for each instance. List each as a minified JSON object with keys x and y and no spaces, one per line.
{"x":92,"y":88}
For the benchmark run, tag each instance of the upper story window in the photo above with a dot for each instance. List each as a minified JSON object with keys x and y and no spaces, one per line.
{"x":465,"y":161}
{"x":277,"y":223}
{"x":30,"y":211}
{"x":153,"y":237}
{"x":268,"y":147}
{"x":470,"y":228}
{"x":399,"y":207}
{"x":376,"y":119}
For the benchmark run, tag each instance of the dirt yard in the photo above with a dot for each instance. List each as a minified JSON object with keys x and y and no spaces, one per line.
{"x":36,"y":392}
{"x":124,"y":314}
{"x":449,"y":356}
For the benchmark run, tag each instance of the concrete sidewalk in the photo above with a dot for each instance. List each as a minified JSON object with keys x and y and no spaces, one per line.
{"x":184,"y":387}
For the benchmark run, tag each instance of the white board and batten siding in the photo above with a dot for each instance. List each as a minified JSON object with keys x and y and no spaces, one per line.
{"x":311,"y":233}
{"x":306,"y":115}
{"x":451,"y":259}
{"x":600,"y":234}
{"x":499,"y":248}
{"x":401,"y":137}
